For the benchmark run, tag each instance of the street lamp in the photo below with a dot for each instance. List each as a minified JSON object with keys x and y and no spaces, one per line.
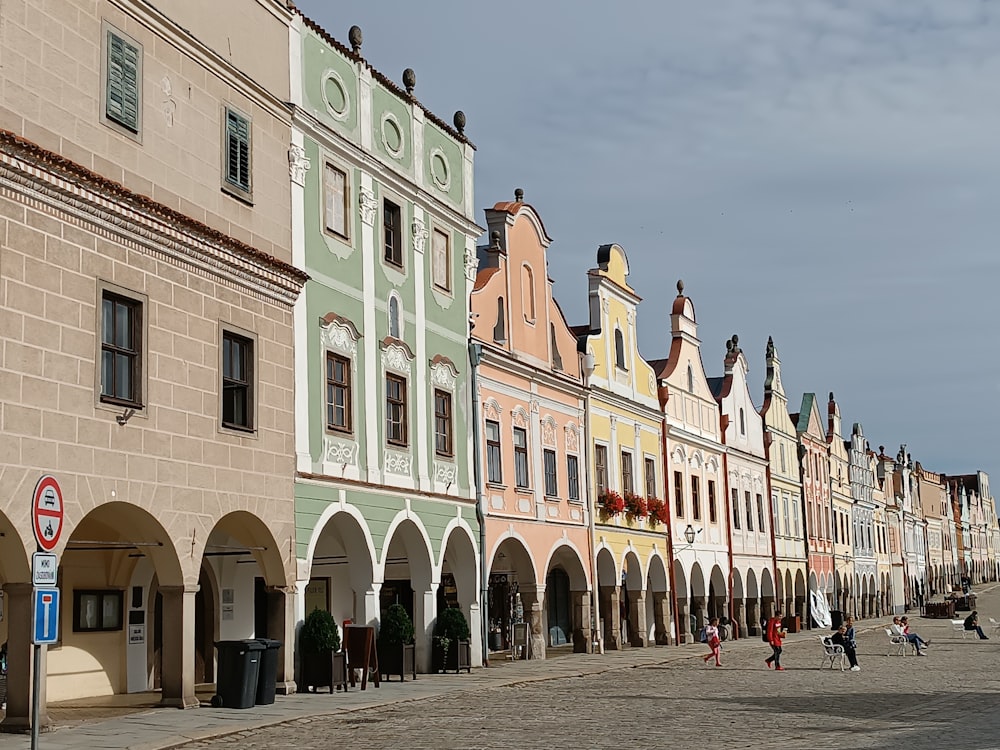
{"x":689,"y":534}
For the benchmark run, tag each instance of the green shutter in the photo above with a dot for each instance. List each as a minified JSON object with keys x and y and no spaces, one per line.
{"x":238,"y":150}
{"x":122,"y":95}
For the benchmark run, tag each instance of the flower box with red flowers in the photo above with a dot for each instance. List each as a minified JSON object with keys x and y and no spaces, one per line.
{"x":611,"y":502}
{"x":635,"y":505}
{"x":659,"y":511}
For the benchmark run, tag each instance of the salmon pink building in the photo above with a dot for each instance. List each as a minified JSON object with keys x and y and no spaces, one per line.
{"x":530,"y":397}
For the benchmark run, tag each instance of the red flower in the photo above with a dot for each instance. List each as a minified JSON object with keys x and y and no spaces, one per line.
{"x":611,"y":502}
{"x":659,"y":511}
{"x":635,"y":505}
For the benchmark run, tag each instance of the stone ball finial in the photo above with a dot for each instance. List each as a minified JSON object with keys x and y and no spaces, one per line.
{"x":355,"y":37}
{"x":495,"y":238}
{"x":831,"y":396}
{"x":519,"y":195}
{"x":409,"y":80}
{"x":736,"y":341}
{"x":729,"y":345}
{"x":680,"y":287}
{"x":459,"y":120}
{"x":881,"y":450}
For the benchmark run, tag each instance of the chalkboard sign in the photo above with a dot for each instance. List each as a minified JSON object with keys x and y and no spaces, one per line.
{"x":359,"y":643}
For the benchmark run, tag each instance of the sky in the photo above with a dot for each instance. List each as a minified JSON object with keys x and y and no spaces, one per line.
{"x":824,"y":172}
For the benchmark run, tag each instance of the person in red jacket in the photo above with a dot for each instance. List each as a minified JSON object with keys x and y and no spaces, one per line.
{"x":775,"y":634}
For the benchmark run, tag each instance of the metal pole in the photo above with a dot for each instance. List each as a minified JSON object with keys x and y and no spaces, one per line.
{"x":36,"y":695}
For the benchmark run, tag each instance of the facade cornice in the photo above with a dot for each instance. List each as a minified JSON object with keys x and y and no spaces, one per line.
{"x":385,"y":489}
{"x":621,"y":405}
{"x":114,"y":212}
{"x":682,"y":436}
{"x":503,"y":361}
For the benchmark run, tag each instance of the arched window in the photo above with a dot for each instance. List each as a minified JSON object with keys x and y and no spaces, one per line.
{"x":528,"y":292}
{"x":620,"y":349}
{"x":690,"y":379}
{"x":394,"y":328}
{"x":743,"y":422}
{"x":500,"y":329}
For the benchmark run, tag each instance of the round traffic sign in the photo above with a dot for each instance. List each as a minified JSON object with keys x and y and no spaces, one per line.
{"x":47,"y":512}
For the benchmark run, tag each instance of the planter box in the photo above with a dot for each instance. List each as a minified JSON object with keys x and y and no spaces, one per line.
{"x":459,"y":657}
{"x":324,"y":671}
{"x":397,"y":659}
{"x":792,"y":624}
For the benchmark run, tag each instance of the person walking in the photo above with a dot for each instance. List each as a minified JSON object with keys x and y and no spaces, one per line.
{"x":972,"y":623}
{"x":775,"y":635}
{"x":841,"y":638}
{"x":714,"y":641}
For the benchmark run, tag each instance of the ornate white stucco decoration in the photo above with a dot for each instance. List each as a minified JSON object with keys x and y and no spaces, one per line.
{"x":734,"y":476}
{"x":613,"y":419}
{"x":697,"y":459}
{"x":367,"y":205}
{"x":396,"y":462}
{"x":338,"y":451}
{"x":534,"y":406}
{"x":339,"y":336}
{"x":572,"y":439}
{"x":298,"y":164}
{"x":549,"y":432}
{"x":491,"y":410}
{"x":445,"y":473}
{"x":169,"y":105}
{"x":519,"y":418}
{"x":606,"y":305}
{"x":443,"y":375}
{"x":471,"y":264}
{"x":419,"y":231}
{"x":652,"y":386}
{"x":638,"y":430}
{"x":758,"y":483}
{"x":395,"y":357}
{"x":678,"y":455}
{"x":630,"y":316}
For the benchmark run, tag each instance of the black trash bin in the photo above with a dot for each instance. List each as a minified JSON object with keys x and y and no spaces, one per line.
{"x":836,"y":618}
{"x":236,"y":676}
{"x":267,"y":676}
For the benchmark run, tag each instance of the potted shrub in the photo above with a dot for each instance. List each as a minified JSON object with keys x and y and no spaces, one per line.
{"x":396,"y":652}
{"x":323,"y":662}
{"x":451,"y":647}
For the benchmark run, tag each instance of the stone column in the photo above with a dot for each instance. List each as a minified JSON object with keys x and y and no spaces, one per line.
{"x":637,"y":620}
{"x":766,"y":610}
{"x":753,"y":617}
{"x":20,"y":655}
{"x":699,"y":608}
{"x":661,"y":618}
{"x":281,"y":626}
{"x":476,"y":634}
{"x":611,"y":615}
{"x":424,"y":614}
{"x":532,"y":601}
{"x":177,"y":678}
{"x":740,"y":617}
{"x":369,"y":609}
{"x":582,"y":636}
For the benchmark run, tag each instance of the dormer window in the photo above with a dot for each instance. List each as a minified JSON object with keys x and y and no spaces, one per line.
{"x":528,"y":293}
{"x":500,"y":329}
{"x":620,"y":350}
{"x":690,"y":379}
{"x":557,"y":363}
{"x":743,"y":422}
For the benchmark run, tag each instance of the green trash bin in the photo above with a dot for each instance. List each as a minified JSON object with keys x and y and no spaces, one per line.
{"x":236,"y":676}
{"x":267,"y":675}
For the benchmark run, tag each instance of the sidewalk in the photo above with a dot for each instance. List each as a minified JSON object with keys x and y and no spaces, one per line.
{"x":162,"y":728}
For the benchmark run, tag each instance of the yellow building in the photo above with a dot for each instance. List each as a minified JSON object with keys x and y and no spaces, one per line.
{"x":624,"y":439}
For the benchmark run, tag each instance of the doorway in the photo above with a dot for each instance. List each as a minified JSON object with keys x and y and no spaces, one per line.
{"x":557,"y":595}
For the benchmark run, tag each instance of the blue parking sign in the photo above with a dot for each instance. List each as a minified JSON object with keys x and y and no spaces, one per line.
{"x":46,"y":616}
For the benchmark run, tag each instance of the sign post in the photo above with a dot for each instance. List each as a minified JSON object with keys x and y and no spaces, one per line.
{"x":47,"y":515}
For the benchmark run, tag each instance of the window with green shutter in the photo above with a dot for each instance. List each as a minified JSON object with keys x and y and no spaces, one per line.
{"x":238,"y":150}
{"x":122,"y":86}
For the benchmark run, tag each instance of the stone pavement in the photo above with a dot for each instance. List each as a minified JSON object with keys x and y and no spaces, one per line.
{"x":653,"y":698}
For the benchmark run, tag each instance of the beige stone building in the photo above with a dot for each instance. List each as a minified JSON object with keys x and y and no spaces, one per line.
{"x":146,"y":336}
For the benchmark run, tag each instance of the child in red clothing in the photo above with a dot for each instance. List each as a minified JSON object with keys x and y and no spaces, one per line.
{"x":713,"y":640}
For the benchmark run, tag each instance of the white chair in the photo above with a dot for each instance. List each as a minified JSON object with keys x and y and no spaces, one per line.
{"x":897,"y":642}
{"x":996,"y":626}
{"x":959,"y":627}
{"x":832,"y":653}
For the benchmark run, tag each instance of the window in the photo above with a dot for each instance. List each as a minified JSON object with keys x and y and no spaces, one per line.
{"x":736,"y":509}
{"x":749,"y":509}
{"x":394,"y":327}
{"x":789,"y":531}
{"x":237,"y":156}
{"x":500,"y":329}
{"x":712,"y":514}
{"x":392,"y":235}
{"x":528,"y":293}
{"x":395,"y":409}
{"x":760,"y":512}
{"x":573,"y":477}
{"x":521,"y":458}
{"x":690,"y":379}
{"x":743,"y":422}
{"x":338,"y":393}
{"x":650,"y":466}
{"x":795,"y":518}
{"x":628,"y":484}
{"x":441,"y":260}
{"x":601,"y":468}
{"x":556,"y":357}
{"x":335,"y":200}
{"x":619,"y":350}
{"x":95,"y":611}
{"x":442,"y":423}
{"x":775,"y":513}
{"x":121,"y":350}
{"x":551,"y":479}
{"x":237,"y":381}
{"x":783,"y":469}
{"x":123,"y":82}
{"x":679,"y":494}
{"x":695,"y":498}
{"x":494,"y":469}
